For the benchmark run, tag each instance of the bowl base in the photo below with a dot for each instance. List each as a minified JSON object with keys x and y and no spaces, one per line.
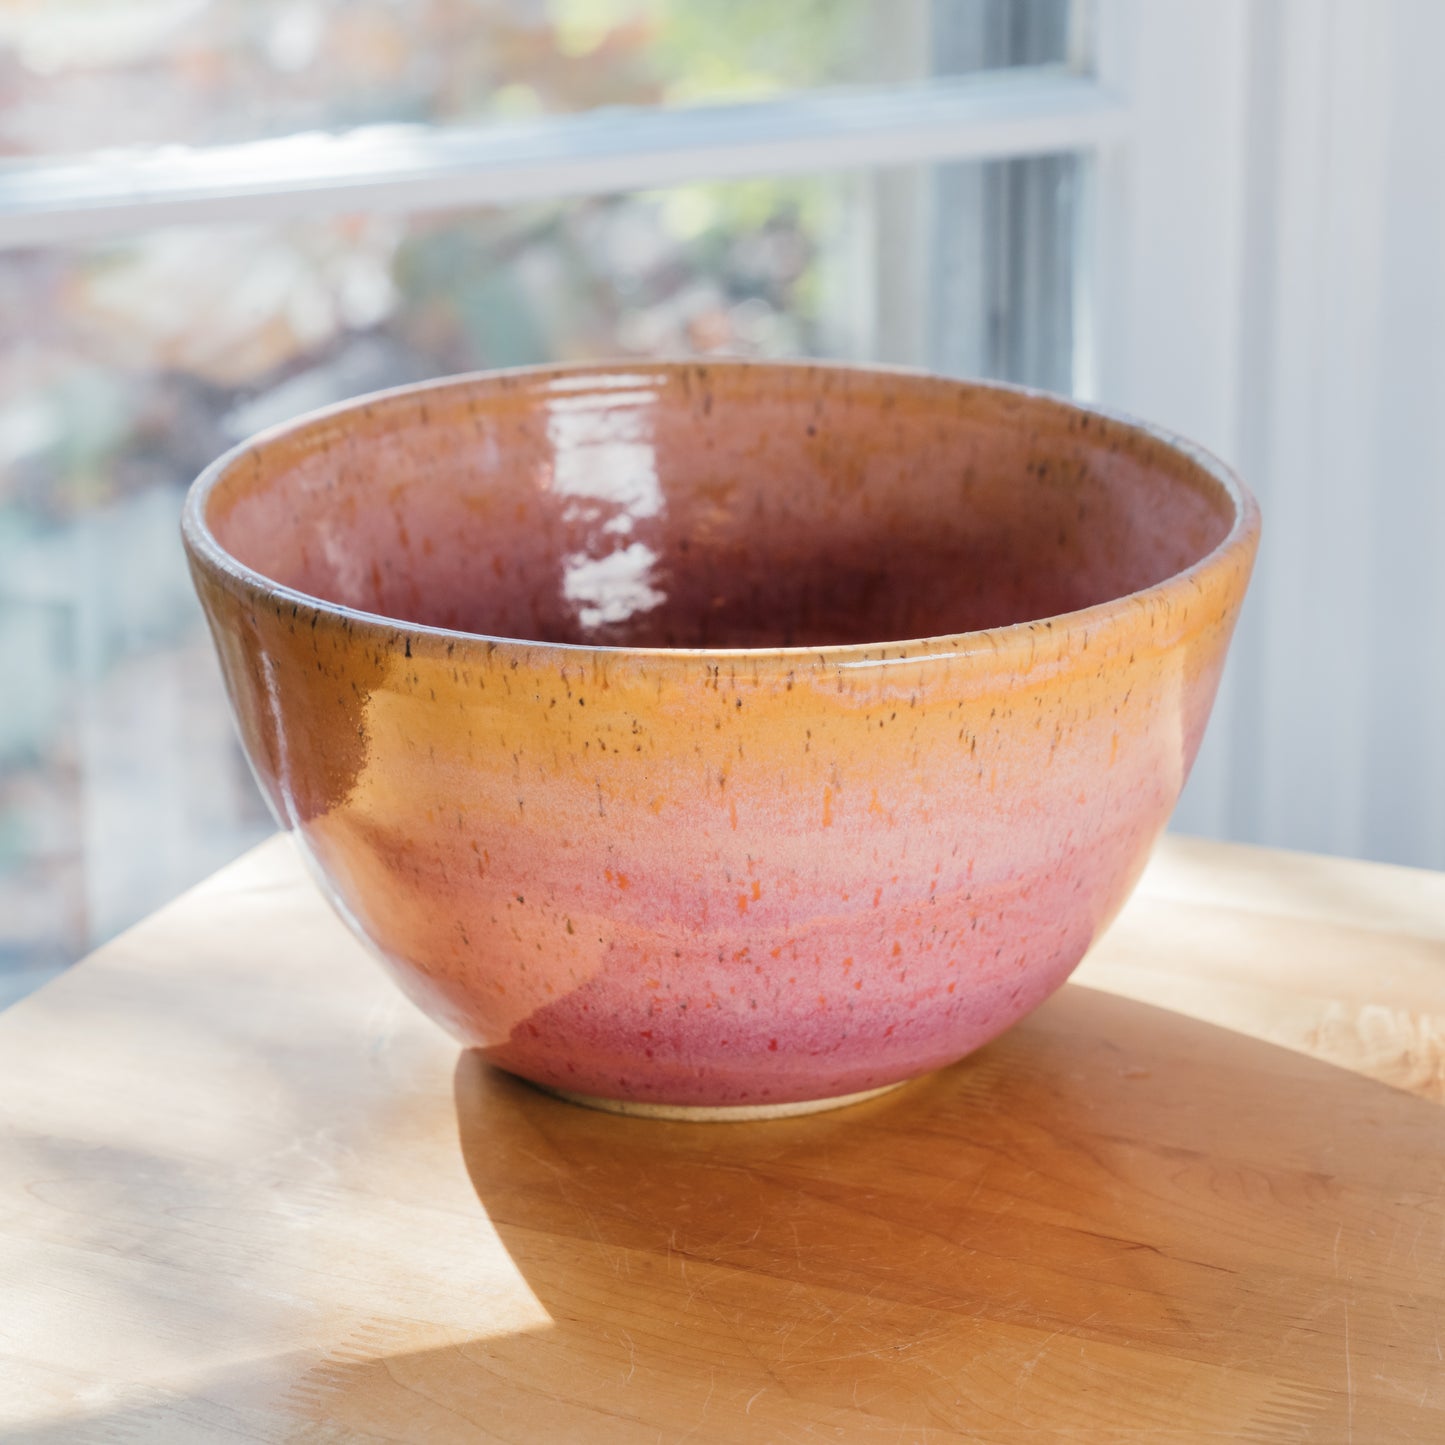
{"x":718,"y":1113}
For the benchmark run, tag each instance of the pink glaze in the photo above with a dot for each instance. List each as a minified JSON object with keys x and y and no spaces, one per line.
{"x":722,"y":735}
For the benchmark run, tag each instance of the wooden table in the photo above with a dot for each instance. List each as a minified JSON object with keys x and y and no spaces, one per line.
{"x":247,"y":1193}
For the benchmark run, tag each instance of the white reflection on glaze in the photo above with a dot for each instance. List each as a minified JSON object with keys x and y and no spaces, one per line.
{"x":613,"y":587}
{"x":602,"y":451}
{"x":605,"y":464}
{"x":346,"y":562}
{"x":598,"y":381}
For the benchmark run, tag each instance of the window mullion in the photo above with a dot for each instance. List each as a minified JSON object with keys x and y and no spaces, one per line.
{"x":1028,"y":112}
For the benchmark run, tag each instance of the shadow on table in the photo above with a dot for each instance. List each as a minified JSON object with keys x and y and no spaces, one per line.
{"x":1113,"y":1222}
{"x":1114,"y":1219}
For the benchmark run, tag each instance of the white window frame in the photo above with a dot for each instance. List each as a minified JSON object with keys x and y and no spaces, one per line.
{"x":1267,"y":279}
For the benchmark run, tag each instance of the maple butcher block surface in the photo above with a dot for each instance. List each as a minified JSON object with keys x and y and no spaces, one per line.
{"x":248,"y":1193}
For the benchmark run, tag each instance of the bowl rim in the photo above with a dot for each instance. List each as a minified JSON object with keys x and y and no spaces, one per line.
{"x":1236,"y":546}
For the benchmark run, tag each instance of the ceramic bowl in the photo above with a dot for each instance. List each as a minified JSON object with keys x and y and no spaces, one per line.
{"x":723,"y":739}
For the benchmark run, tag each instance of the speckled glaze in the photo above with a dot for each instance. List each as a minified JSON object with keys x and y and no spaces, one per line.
{"x":721,"y":737}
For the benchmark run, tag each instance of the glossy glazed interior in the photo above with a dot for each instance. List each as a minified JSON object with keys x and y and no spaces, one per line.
{"x":684,"y":509}
{"x":721,"y":878}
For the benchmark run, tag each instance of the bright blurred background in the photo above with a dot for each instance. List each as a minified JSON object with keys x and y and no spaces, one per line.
{"x":1151,"y":257}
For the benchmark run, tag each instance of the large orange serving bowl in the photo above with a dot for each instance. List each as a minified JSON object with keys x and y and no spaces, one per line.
{"x":730,"y":738}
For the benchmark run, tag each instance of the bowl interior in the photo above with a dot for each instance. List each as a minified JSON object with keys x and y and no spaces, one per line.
{"x":715,"y":506}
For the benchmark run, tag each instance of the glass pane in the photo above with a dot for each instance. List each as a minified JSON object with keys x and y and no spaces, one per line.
{"x":1001,"y":269}
{"x":127,"y":367}
{"x":82,"y":74}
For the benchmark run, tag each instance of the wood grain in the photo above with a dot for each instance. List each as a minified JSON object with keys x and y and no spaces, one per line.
{"x":247,"y":1193}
